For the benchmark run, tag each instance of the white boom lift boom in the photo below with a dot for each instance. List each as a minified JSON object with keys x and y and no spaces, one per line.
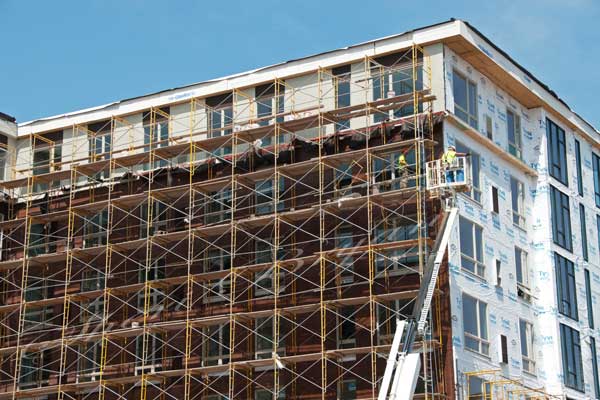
{"x":404,"y":363}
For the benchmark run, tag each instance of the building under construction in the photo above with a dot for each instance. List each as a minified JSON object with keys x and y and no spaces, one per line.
{"x":279,"y":233}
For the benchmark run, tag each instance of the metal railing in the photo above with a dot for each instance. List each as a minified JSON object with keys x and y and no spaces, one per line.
{"x":443,"y":175}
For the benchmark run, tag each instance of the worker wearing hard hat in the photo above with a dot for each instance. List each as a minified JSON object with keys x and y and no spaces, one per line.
{"x":454,"y":171}
{"x":402,"y":170}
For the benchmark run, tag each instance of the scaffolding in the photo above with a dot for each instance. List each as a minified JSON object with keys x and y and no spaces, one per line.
{"x":492,"y":385}
{"x":254,"y":245}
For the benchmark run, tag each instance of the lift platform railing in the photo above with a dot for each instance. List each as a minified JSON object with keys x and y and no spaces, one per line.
{"x":442,"y":175}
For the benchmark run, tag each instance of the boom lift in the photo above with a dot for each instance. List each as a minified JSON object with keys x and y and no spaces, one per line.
{"x":404,"y":364}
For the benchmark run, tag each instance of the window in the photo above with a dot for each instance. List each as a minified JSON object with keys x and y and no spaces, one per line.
{"x":99,"y":140}
{"x":37,"y":240}
{"x":475,"y":325}
{"x":341,"y":84}
{"x":588,"y":298}
{"x":3,"y":156}
{"x":594,"y":353}
{"x":566,"y":286}
{"x":475,"y":170}
{"x":498,"y":273}
{"x":522,"y":268}
{"x":598,"y":230}
{"x":571,"y":357}
{"x":215,"y":345}
{"x":265,"y":196}
{"x":465,"y":99}
{"x":561,"y":219}
{"x":263,"y":254}
{"x":347,"y":389}
{"x":395,"y":261}
{"x":344,"y":238}
{"x":387,"y":314}
{"x":217,"y":260}
{"x":150,"y":357}
{"x":527,"y":353}
{"x":159,"y":218}
{"x":92,"y":310}
{"x":270,"y":101}
{"x":513,"y":124}
{"x":471,"y":247}
{"x":220,"y":118}
{"x":92,"y":280}
{"x":479,"y":389}
{"x":154,"y":271}
{"x":495,"y":202}
{"x":583,"y":229}
{"x":264,"y":394}
{"x":47,"y":157}
{"x":489,"y":127}
{"x":596,"y":165}
{"x":94,"y":229}
{"x":156,"y":132}
{"x":38,"y":288}
{"x":392,"y":76}
{"x":264,"y":335}
{"x":89,"y":361}
{"x":517,"y":193}
{"x":557,"y":152}
{"x":343,"y":179}
{"x":503,"y":349}
{"x":578,"y":166}
{"x":218,"y":207}
{"x":32,"y":372}
{"x":346,"y":328}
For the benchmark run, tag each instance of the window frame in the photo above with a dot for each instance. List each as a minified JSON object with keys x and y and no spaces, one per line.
{"x":571,"y":355}
{"x":483,"y":343}
{"x":522,"y":268}
{"x":528,"y":347}
{"x":95,"y":229}
{"x":468,"y":116}
{"x":518,"y":202}
{"x":561,"y":221}
{"x":264,"y":189}
{"x":347,"y":262}
{"x":515,"y":147}
{"x":566,"y":287}
{"x":596,"y":168}
{"x":346,"y":315}
{"x":342,"y":81}
{"x":478,"y":265}
{"x":557,"y":152}
{"x":578,"y":167}
{"x":583,"y":232}
{"x":596,"y":378}
{"x":588,"y":299}
{"x":218,"y":289}
{"x":221,"y":331}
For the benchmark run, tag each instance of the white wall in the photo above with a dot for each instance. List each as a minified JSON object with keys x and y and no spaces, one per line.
{"x":505,"y":309}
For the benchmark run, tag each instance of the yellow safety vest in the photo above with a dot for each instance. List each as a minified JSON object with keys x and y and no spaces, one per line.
{"x":449,"y":157}
{"x":401,"y":161}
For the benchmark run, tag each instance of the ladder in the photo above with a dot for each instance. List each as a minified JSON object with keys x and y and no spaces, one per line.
{"x":405,"y":364}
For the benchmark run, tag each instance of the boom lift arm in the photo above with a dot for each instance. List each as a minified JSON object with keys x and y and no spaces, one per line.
{"x":406,"y":364}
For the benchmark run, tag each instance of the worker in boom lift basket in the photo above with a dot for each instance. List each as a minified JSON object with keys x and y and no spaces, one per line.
{"x":454,"y":170}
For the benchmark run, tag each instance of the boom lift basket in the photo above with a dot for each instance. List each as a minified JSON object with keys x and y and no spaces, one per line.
{"x":455,"y":176}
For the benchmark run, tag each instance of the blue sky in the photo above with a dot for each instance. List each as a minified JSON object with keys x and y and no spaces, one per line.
{"x":63,"y":55}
